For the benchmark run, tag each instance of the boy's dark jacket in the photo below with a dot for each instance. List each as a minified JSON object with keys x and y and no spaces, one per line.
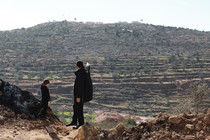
{"x":45,"y":93}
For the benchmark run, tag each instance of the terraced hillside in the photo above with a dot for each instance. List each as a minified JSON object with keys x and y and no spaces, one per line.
{"x":136,"y":68}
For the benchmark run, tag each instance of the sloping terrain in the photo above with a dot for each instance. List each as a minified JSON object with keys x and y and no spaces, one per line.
{"x":22,"y":127}
{"x":162,"y":127}
{"x":129,"y":61}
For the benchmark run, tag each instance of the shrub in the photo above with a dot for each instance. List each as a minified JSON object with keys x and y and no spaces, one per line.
{"x":129,"y":122}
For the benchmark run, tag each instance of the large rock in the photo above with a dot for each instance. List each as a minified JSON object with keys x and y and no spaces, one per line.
{"x":116,"y":132}
{"x":207,"y":119}
{"x":190,"y":127}
{"x":18,"y":100}
{"x":174,"y":119}
{"x":89,"y":132}
{"x":189,"y":137}
{"x":120,"y":128}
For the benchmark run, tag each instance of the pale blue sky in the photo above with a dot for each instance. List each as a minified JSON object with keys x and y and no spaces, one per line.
{"x":193,"y":14}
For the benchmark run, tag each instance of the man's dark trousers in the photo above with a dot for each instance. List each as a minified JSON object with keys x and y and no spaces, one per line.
{"x":78,"y":113}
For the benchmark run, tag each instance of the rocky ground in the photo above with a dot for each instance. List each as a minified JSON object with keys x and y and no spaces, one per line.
{"x":162,"y":127}
{"x":22,"y":127}
{"x":174,"y":127}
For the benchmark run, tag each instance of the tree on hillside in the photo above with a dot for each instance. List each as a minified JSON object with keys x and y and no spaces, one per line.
{"x":195,"y":101}
{"x":199,"y":91}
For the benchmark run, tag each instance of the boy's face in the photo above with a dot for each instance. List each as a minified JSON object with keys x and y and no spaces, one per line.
{"x":77,"y":67}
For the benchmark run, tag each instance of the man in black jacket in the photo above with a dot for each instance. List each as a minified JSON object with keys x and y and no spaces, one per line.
{"x":79,"y":87}
{"x":45,"y":98}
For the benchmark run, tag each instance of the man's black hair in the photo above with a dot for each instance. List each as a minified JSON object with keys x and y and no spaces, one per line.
{"x":80,"y":64}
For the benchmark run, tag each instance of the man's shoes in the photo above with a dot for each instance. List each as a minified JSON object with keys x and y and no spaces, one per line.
{"x":71,"y":124}
{"x":76,"y":127}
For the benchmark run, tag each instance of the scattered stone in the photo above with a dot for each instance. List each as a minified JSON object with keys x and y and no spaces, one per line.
{"x":120,"y":128}
{"x":189,"y":137}
{"x":88,"y":132}
{"x":190,"y":127}
{"x":175,"y":119}
{"x":50,"y":130}
{"x":1,"y":120}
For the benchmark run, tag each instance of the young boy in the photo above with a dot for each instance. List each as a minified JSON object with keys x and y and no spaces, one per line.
{"x":45,"y":98}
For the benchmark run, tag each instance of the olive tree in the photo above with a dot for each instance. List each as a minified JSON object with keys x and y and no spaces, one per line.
{"x":195,"y":100}
{"x":199,"y":91}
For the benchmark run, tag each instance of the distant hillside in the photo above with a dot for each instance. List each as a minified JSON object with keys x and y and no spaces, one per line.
{"x":129,"y":61}
{"x":57,"y":42}
{"x":74,"y":38}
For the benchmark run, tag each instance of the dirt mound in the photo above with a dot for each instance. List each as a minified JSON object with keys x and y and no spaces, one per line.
{"x":162,"y":127}
{"x":22,"y":127}
{"x":167,"y":127}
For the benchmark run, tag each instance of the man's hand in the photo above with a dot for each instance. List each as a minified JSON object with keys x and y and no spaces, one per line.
{"x":78,"y":100}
